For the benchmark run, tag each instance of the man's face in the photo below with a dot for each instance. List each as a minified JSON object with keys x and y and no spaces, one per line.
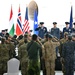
{"x":54,"y":25}
{"x":42,"y":25}
{"x":67,"y":25}
{"x":66,"y":37}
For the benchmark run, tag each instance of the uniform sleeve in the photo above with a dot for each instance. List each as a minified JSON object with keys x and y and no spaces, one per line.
{"x":45,"y":30}
{"x":56,"y":44}
{"x":22,"y":52}
{"x":37,"y":29}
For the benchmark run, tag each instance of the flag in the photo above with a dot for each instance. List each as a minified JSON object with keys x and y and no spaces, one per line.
{"x":26,"y":22}
{"x":35,"y":22}
{"x":11,"y":30}
{"x":19,"y":24}
{"x":71,"y":18}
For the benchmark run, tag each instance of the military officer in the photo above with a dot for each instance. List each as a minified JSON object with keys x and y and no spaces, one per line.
{"x":55,"y":32}
{"x":41,"y":30}
{"x":62,"y":41}
{"x":23,"y":57}
{"x":50,"y":54}
{"x":33,"y":48}
{"x":42,"y":60}
{"x":68,"y":56}
{"x":4,"y":56}
{"x":67,"y":29}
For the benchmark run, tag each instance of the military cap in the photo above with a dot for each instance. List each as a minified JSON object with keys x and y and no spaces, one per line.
{"x":26,"y":33}
{"x":3,"y":30}
{"x":30,"y":30}
{"x":41,"y":23}
{"x":15,"y":36}
{"x":67,"y":23}
{"x":46,"y":35}
{"x":65,"y":33}
{"x":74,"y":23}
{"x":69,"y":37}
{"x":50,"y":36}
{"x":20,"y":37}
{"x":54,"y":23}
{"x":6,"y":29}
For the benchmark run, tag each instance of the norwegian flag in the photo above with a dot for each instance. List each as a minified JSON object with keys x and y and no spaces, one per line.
{"x":19,"y":24}
{"x":26,"y":22}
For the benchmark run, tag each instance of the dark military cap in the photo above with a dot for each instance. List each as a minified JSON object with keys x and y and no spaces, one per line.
{"x":20,"y":37}
{"x":26,"y":33}
{"x":67,"y":23}
{"x":46,"y":35}
{"x":50,"y":36}
{"x":54,"y":23}
{"x":65,"y":33}
{"x":69,"y":37}
{"x":30,"y":30}
{"x":15,"y":36}
{"x":41,"y":23}
{"x":6,"y":29}
{"x":74,"y":23}
{"x":3,"y":30}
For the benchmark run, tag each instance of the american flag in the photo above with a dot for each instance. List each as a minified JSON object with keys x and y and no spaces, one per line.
{"x":26,"y":22}
{"x":19,"y":24}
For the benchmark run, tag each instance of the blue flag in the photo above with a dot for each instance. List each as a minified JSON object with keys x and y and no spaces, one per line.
{"x":71,"y":18}
{"x":35,"y":22}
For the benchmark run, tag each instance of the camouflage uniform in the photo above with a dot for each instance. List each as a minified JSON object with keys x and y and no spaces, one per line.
{"x":42,"y":61}
{"x":62,"y":41}
{"x":21,"y":42}
{"x":11,"y":49}
{"x":68,"y":55}
{"x":4,"y":57}
{"x":34,"y":65}
{"x":50,"y":56}
{"x":23,"y":57}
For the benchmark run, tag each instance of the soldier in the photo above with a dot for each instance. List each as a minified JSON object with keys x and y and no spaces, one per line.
{"x":11,"y":48}
{"x":62,"y":41}
{"x":2,"y":34}
{"x":49,"y":54}
{"x":42,"y":61}
{"x":27,"y":37}
{"x":33,"y":48}
{"x":41,"y":30}
{"x":4,"y":56}
{"x":73,"y":38}
{"x":68,"y":56}
{"x":67,"y":29}
{"x":55,"y":32}
{"x":23,"y":57}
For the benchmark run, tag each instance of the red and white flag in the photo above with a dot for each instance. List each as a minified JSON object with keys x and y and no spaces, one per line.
{"x":19,"y":24}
